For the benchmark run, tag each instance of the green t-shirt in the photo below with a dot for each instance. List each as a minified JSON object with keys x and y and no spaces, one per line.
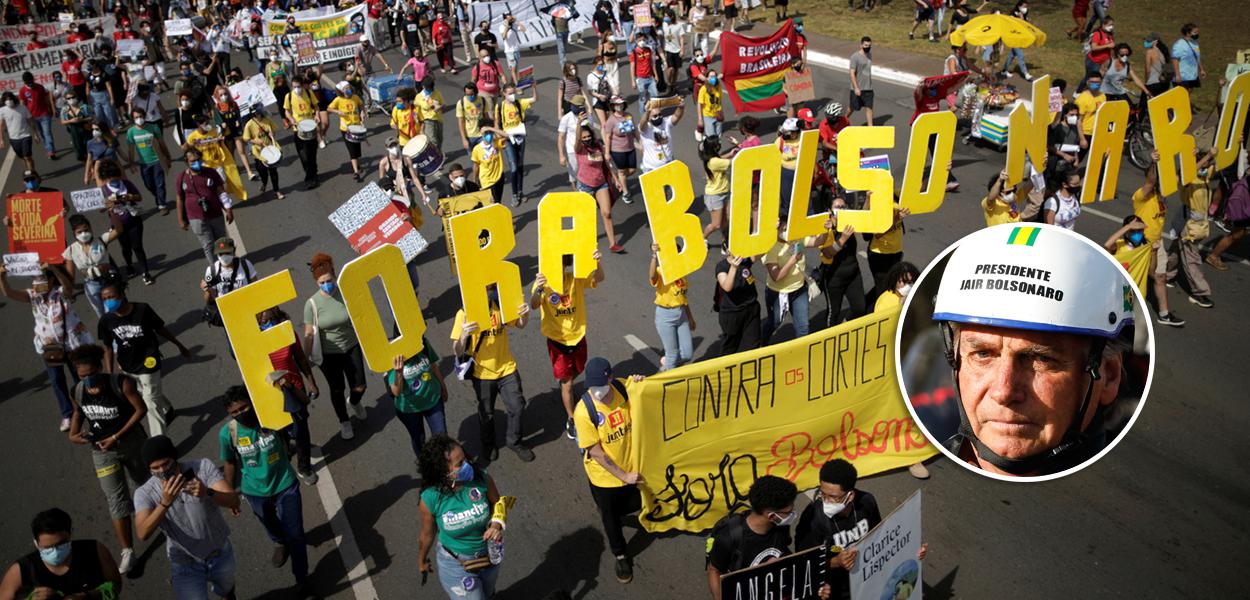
{"x":261,"y":456}
{"x":144,"y":140}
{"x":337,"y":334}
{"x":420,"y":390}
{"x":461,"y":516}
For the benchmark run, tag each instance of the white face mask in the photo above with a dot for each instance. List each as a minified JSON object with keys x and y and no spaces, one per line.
{"x":511,"y":97}
{"x":186,"y":104}
{"x":83,"y":236}
{"x":225,"y":259}
{"x":394,"y":151}
{"x":11,"y":103}
{"x":1072,"y":119}
{"x":599,"y":392}
{"x":1009,"y":196}
{"x":486,"y":59}
{"x":138,"y":121}
{"x":788,"y":520}
{"x":904,"y":289}
{"x":833,"y":508}
{"x":1124,"y":59}
{"x":458,"y":181}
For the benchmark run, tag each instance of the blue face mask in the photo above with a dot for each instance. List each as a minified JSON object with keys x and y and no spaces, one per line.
{"x":112,"y":304}
{"x":465,"y":473}
{"x":399,"y":105}
{"x":30,"y":185}
{"x":347,"y":93}
{"x":488,"y":138}
{"x":56,"y":555}
{"x":1136,"y":238}
{"x":471,"y":98}
{"x":196,"y":165}
{"x":327,"y":287}
{"x":1094,"y":87}
{"x":266,"y":325}
{"x":712,"y":80}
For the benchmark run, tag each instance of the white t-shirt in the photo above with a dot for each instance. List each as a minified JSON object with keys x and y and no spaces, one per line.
{"x":1066,"y":210}
{"x":16,"y":121}
{"x":568,"y":127}
{"x":511,"y":40}
{"x":88,"y":259}
{"x":673,"y":33}
{"x":657,"y":148}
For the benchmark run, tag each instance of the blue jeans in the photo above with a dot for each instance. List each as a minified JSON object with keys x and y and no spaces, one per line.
{"x":646,"y":91}
{"x":283,"y":518}
{"x":102,"y":109}
{"x":562,"y":40}
{"x":514,"y":154}
{"x":56,"y":376}
{"x":711,"y":127}
{"x":192,"y":579}
{"x":674,"y":330}
{"x":460,"y":584}
{"x":1017,"y":55}
{"x":434,"y":418}
{"x":798,"y":312}
{"x":628,"y":28}
{"x":45,"y":131}
{"x":91,"y":288}
{"x":154,"y":179}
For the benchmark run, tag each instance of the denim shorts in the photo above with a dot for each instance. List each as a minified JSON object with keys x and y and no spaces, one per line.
{"x":581,"y":187}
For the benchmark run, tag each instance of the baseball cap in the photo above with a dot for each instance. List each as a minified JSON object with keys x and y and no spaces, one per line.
{"x":807,"y":115}
{"x":29,"y":175}
{"x":598,"y":372}
{"x":223,"y":245}
{"x":790,"y":124}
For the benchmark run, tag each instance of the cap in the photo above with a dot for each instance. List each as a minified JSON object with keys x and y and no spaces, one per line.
{"x":223,"y":245}
{"x":807,"y":115}
{"x":598,"y":372}
{"x":578,"y":100}
{"x":617,"y":100}
{"x":790,"y":124}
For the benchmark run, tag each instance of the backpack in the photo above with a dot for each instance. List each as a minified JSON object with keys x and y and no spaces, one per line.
{"x":734,"y":524}
{"x":211,"y":314}
{"x":115,"y":384}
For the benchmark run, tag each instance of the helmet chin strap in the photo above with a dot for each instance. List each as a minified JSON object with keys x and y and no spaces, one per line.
{"x":1047,"y":461}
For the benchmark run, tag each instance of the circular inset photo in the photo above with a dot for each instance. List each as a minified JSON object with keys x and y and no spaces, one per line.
{"x":1024,"y":352}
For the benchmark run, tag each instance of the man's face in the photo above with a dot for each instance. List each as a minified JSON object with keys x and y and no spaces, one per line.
{"x":1020,"y":389}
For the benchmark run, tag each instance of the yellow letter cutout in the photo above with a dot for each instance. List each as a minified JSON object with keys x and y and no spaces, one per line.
{"x":879,"y":183}
{"x":800,"y":224}
{"x":554,"y":241}
{"x":937,"y":129}
{"x":1110,"y":125}
{"x":669,"y":220}
{"x":387,"y":263}
{"x":1232,"y":121}
{"x":480,"y":263}
{"x":1027,"y":132}
{"x":745,"y":240}
{"x":252,"y":346}
{"x":1170,"y":116}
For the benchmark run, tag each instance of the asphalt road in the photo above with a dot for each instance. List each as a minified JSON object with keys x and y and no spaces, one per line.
{"x":1160,"y":516}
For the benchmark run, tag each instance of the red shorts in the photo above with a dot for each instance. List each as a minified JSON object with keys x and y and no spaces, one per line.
{"x":567,"y":362}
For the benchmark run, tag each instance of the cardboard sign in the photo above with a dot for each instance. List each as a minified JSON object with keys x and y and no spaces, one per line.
{"x":578,"y":240}
{"x":886,"y":565}
{"x":798,"y":86}
{"x":369,"y":219}
{"x":706,"y":24}
{"x":525,"y":77}
{"x":797,"y":576}
{"x":178,"y":27}
{"x":642,"y":15}
{"x":87,"y":200}
{"x":36,"y":225}
{"x":386,"y":263}
{"x":456,"y":205}
{"x":304,"y":50}
{"x":1055,"y":101}
{"x":662,"y":103}
{"x":22,"y":264}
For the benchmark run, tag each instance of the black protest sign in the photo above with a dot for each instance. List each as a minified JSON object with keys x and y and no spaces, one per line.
{"x":794,"y":577}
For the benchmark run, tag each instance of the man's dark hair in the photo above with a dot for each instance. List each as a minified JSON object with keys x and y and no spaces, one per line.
{"x":865,"y":39}
{"x":903,"y":271}
{"x":1188,"y":28}
{"x":53,"y":520}
{"x":839,"y":472}
{"x":235,"y":394}
{"x":27,"y":78}
{"x":87,"y":354}
{"x":771,"y":493}
{"x":114,"y":281}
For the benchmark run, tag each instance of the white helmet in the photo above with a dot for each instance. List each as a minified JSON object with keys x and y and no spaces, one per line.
{"x":1034,"y":276}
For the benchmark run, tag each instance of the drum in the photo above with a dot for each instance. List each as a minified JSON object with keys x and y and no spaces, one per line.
{"x":306,"y":129}
{"x":426,"y":158}
{"x":271,"y":155}
{"x":355,"y":133}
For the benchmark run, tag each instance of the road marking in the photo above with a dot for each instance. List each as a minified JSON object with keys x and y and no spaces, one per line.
{"x":9,"y":159}
{"x":344,"y":540}
{"x":648,"y":352}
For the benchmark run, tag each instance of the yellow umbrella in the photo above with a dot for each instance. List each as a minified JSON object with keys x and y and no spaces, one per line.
{"x":987,"y":30}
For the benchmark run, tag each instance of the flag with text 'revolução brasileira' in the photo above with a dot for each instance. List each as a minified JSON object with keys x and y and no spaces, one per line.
{"x":754,"y":68}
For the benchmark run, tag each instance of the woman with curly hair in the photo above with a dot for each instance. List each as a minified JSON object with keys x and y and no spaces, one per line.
{"x":330,"y":343}
{"x":457,"y":520}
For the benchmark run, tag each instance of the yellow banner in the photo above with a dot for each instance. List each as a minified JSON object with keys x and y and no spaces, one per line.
{"x":704,"y":432}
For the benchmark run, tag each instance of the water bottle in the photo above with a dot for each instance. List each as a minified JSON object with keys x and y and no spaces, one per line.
{"x":494,"y":548}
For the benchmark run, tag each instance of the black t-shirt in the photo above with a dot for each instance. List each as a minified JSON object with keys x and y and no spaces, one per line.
{"x":755,"y":549}
{"x":105,"y":412}
{"x":443,"y":188}
{"x":843,"y":530}
{"x":84,"y":574}
{"x":485,"y":40}
{"x":743,"y":295}
{"x":134,"y":338}
{"x":410,"y":28}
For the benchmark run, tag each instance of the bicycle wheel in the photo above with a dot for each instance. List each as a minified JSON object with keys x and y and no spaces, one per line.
{"x":1140,"y":145}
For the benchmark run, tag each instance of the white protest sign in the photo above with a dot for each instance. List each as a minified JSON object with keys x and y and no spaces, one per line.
{"x":887,"y":565}
{"x":22,"y":264}
{"x":1055,"y":101}
{"x":251,"y":91}
{"x":368,"y":219}
{"x":535,"y":15}
{"x":130,"y":48}
{"x":178,"y":27}
{"x":87,"y":200}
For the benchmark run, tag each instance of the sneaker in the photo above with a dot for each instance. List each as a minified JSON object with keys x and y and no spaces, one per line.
{"x":918,"y":471}
{"x":1222,"y":224}
{"x":345,"y":430}
{"x":358,"y":410}
{"x":724,"y":248}
{"x":1171,"y":319}
{"x":148,"y":279}
{"x":627,"y":199}
{"x":1201,"y":300}
{"x":570,"y":429}
{"x":952,"y":186}
{"x":278,"y":558}
{"x":321,"y":144}
{"x":64,"y":425}
{"x":624,"y":569}
{"x":127,"y":561}
{"x":617,"y":249}
{"x":911,"y":36}
{"x":1215,"y":262}
{"x":522,"y":452}
{"x":516,"y":201}
{"x":1171,"y":283}
{"x":254,"y":177}
{"x":306,"y":476}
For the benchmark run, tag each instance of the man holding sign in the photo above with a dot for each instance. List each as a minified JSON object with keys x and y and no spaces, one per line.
{"x":564,"y":326}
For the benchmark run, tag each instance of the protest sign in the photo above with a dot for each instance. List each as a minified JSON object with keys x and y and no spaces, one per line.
{"x":132,"y":48}
{"x":642,"y":15}
{"x":704,"y":24}
{"x":304,"y":50}
{"x":368,"y":219}
{"x":667,"y":102}
{"x":704,"y":432}
{"x":455,"y":205}
{"x":41,"y":63}
{"x":48,"y":30}
{"x":535,"y":16}
{"x":1055,"y":101}
{"x":178,"y":27}
{"x":755,"y":68}
{"x":65,"y":17}
{"x":886,"y":565}
{"x":880,"y":161}
{"x":36,"y":225}
{"x":87,"y":200}
{"x":22,"y":264}
{"x":798,"y":86}
{"x":251,"y":91}
{"x":525,"y":78}
{"x":797,"y":577}
{"x":335,"y":36}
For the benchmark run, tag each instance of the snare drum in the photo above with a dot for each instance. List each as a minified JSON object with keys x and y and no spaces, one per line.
{"x":306,"y":129}
{"x":426,"y":158}
{"x":355,"y":133}
{"x":271,"y":155}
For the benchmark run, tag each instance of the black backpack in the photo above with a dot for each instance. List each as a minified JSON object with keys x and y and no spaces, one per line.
{"x":734,"y":525}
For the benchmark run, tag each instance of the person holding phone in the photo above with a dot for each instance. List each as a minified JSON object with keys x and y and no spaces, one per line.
{"x":786,"y":288}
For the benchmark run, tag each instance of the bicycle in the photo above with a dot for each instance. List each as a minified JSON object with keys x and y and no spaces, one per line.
{"x":1139,"y":140}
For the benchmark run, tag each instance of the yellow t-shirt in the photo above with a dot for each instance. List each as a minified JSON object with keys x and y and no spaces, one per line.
{"x":513,"y":115}
{"x":471,"y":114}
{"x":789,"y":153}
{"x":407,"y":122}
{"x":997,"y":213}
{"x":350,"y":109}
{"x":886,"y":301}
{"x":564,"y":316}
{"x":780,"y":255}
{"x":710,"y":101}
{"x":210,"y":145}
{"x":489,"y":168}
{"x":1151,"y":210}
{"x":427,"y":106}
{"x":302,"y":106}
{"x":718,"y":183}
{"x":258,"y":129}
{"x":613,"y":432}
{"x":669,"y":295}
{"x":1197,"y":198}
{"x":890,"y":242}
{"x":1088,"y":105}
{"x":493,"y":358}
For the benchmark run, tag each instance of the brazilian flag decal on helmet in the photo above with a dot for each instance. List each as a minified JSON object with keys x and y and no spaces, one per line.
{"x":1023,"y":236}
{"x":1128,"y":299}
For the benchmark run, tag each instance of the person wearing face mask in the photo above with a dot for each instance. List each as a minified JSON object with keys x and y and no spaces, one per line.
{"x":1066,"y":143}
{"x":568,"y":88}
{"x":566,"y":137}
{"x":1064,"y":206}
{"x":259,"y":133}
{"x":839,"y":515}
{"x":146,"y":147}
{"x":1099,"y":51}
{"x":38,"y":103}
{"x":488,"y":77}
{"x":417,"y":387}
{"x":301,"y":106}
{"x":228,"y":273}
{"x":209,"y":139}
{"x":350,"y":110}
{"x":89,"y":255}
{"x":885,"y":250}
{"x":330,"y":343}
{"x":442,"y":37}
{"x":230,"y":125}
{"x":674,"y":33}
{"x":203,"y":206}
{"x":256,"y":457}
{"x":461,"y":514}
{"x":785,"y":290}
{"x":365,"y":55}
{"x":76,"y":117}
{"x":1115,"y":71}
{"x":418,"y":63}
{"x":1187,"y":58}
{"x":100,"y":90}
{"x":57,"y":328}
{"x":1184,"y":253}
{"x":510,"y":115}
{"x":71,"y":67}
{"x":455,"y":183}
{"x":861,"y":79}
{"x":898,"y":283}
{"x":711,"y":107}
{"x":429,"y":104}
{"x":599,"y":91}
{"x":397,"y":168}
{"x":698,"y":72}
{"x":405,"y":116}
{"x":999,"y":203}
{"x":594,"y":177}
{"x":510,"y":31}
{"x":292,"y":374}
{"x":656,"y":135}
{"x":121,"y":201}
{"x":183,"y":499}
{"x":17,"y":126}
{"x":642,"y":73}
{"x":1089,"y":101}
{"x":1129,"y":248}
{"x":60,"y":566}
{"x":621,"y":133}
{"x":108,"y":411}
{"x":469,"y":111}
{"x":101,"y":147}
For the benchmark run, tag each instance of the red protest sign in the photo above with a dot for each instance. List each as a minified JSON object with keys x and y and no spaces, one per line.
{"x":386,"y":227}
{"x":36,"y":225}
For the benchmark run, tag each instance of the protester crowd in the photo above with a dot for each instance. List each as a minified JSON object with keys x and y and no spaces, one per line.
{"x":106,"y":372}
